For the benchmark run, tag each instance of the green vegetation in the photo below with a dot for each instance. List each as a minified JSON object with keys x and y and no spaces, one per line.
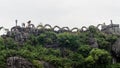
{"x":73,"y":50}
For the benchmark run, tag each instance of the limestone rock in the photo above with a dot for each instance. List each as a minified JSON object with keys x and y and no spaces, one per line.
{"x":93,"y":43}
{"x":18,"y":62}
{"x":116,"y":48}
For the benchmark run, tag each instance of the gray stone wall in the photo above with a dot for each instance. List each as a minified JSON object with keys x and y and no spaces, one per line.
{"x":111,"y":28}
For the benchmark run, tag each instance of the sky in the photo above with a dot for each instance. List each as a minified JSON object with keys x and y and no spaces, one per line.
{"x":71,"y":13}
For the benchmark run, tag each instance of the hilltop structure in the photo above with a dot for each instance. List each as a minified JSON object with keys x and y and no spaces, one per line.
{"x":111,"y":28}
{"x":22,"y":33}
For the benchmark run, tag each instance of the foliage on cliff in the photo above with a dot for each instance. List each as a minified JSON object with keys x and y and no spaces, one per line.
{"x":62,"y":50}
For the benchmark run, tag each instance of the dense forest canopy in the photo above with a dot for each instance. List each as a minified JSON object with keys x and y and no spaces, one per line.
{"x":81,"y":49}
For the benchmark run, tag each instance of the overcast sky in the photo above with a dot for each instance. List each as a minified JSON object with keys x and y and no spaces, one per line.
{"x":71,"y":13}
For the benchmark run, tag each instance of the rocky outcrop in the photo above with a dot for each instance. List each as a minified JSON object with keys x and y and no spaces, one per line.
{"x":116,"y":51}
{"x":116,"y":48}
{"x":18,"y":62}
{"x":48,"y":65}
{"x":92,"y":41}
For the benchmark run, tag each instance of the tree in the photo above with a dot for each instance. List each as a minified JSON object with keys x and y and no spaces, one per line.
{"x":84,"y":50}
{"x":32,"y":40}
{"x":103,"y":44}
{"x":47,"y":38}
{"x":83,"y":38}
{"x":77,"y":59}
{"x":68,"y":40}
{"x":11,"y":44}
{"x":1,"y":41}
{"x":89,"y":61}
{"x":93,"y":29}
{"x":100,"y":56}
